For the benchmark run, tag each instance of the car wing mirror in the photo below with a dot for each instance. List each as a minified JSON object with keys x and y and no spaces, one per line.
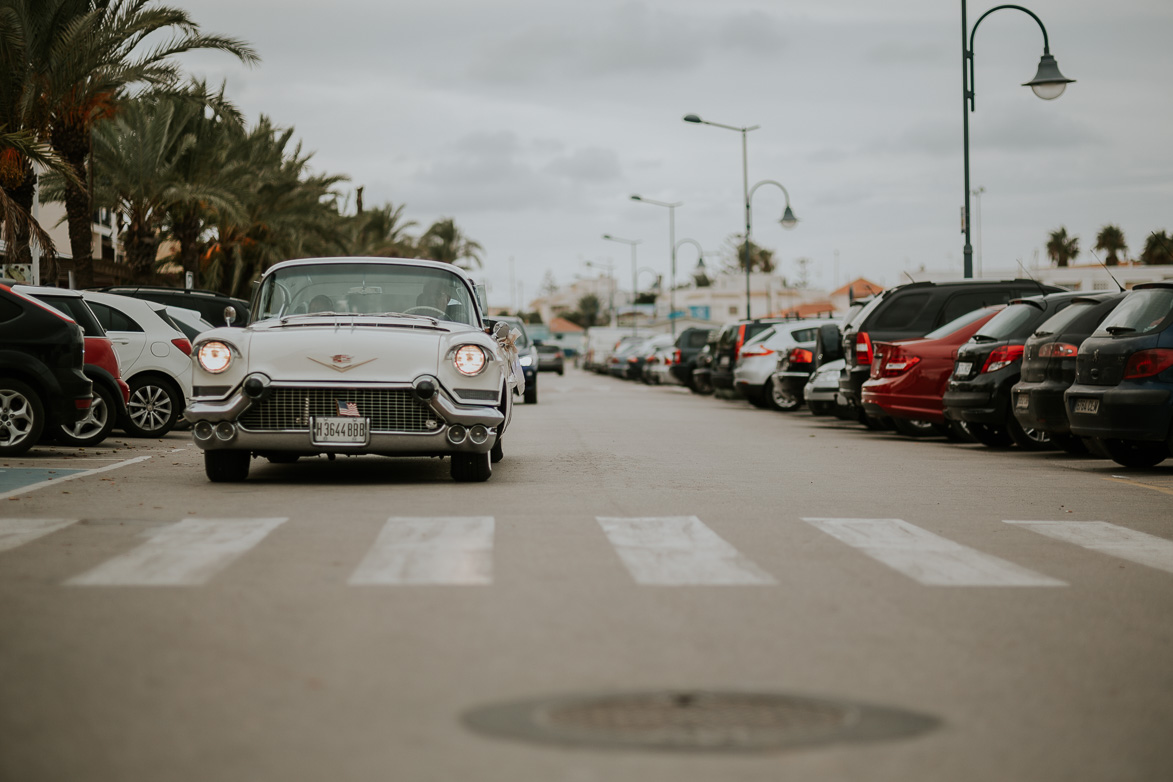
{"x":229,"y":314}
{"x":500,"y":331}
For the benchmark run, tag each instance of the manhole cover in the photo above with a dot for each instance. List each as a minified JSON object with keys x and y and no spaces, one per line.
{"x":694,"y":721}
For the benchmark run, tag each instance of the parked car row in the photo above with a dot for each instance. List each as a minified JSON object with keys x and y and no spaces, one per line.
{"x":134,"y":354}
{"x":1009,"y":363}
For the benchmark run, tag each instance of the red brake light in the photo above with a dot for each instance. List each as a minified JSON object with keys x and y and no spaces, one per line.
{"x":757,"y":351}
{"x":897,"y":363}
{"x":1146,"y":363}
{"x":1002,"y":357}
{"x":863,"y":348}
{"x":183,"y":343}
{"x":740,"y":341}
{"x":801,"y":356}
{"x":676,"y":356}
{"x":1057,"y":350}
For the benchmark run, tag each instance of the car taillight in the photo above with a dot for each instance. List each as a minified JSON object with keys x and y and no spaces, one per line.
{"x":1057,"y":350}
{"x":1002,"y":357}
{"x":183,"y":343}
{"x":676,"y":357}
{"x":757,"y":352}
{"x":896,"y":362}
{"x":740,"y":342}
{"x":863,"y":348}
{"x":801,"y":356}
{"x":1146,"y":363}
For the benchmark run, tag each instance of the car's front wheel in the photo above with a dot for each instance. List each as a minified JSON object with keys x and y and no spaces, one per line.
{"x":154,"y":407}
{"x":97,"y":424}
{"x":531,"y":392}
{"x":498,"y":452}
{"x":22,"y":417}
{"x":224,"y":466}
{"x":471,"y":467}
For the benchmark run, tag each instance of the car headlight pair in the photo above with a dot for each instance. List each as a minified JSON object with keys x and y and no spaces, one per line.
{"x":214,"y":357}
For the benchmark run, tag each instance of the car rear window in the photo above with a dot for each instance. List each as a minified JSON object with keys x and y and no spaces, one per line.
{"x":804,"y":335}
{"x":1062,"y":320}
{"x":76,"y":308}
{"x":900,"y":311}
{"x":1141,"y":312}
{"x":1017,"y":321}
{"x":696,"y":339}
{"x":958,"y":323}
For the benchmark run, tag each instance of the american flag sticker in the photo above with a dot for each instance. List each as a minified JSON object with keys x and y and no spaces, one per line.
{"x":348,"y":409}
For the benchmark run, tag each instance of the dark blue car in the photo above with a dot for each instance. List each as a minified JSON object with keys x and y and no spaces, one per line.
{"x":1123,"y":390}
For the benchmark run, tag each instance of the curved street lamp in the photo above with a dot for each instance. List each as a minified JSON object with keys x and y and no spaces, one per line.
{"x":671,"y":206}
{"x":788,"y":218}
{"x":1047,"y":84}
{"x":610,"y":269}
{"x":632,"y":243}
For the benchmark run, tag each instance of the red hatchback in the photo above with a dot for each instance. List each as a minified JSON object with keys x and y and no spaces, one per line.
{"x":908,"y":377}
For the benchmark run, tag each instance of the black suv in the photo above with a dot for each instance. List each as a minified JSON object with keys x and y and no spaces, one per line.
{"x":911,"y":311}
{"x":209,"y":304}
{"x":689,"y":344}
{"x":1123,"y":390}
{"x":41,"y":377}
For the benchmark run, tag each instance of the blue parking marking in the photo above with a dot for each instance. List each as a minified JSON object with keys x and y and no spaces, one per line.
{"x":16,"y":478}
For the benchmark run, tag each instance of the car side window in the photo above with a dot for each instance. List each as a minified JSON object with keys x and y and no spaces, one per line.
{"x":9,"y":310}
{"x":960,"y":303}
{"x":901,"y":311}
{"x":112,"y":319}
{"x":804,"y":335}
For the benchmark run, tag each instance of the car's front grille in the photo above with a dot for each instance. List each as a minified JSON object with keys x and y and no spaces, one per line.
{"x":390,"y":410}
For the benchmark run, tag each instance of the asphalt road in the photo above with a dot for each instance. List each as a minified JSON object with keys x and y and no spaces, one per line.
{"x":339,"y":620}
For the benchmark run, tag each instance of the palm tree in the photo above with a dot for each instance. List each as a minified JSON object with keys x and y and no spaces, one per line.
{"x":446,"y":243}
{"x":1110,"y":239}
{"x":760,"y":259}
{"x":17,"y":153}
{"x":1062,"y":248}
{"x":1158,"y":249}
{"x":84,"y":55}
{"x":381,"y":232}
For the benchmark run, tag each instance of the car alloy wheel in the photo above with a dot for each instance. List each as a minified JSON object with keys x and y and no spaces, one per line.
{"x":1028,"y":438}
{"x":22,"y":417}
{"x":780,"y":400}
{"x":153,"y":408}
{"x":97,"y":424}
{"x":910,"y":427}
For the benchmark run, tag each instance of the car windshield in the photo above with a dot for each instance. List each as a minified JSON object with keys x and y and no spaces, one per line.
{"x":365,"y":288}
{"x":959,"y":322}
{"x":1141,"y":312}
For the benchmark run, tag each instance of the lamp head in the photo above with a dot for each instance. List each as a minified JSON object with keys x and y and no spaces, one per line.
{"x":606,"y":236}
{"x":636,"y":198}
{"x":691,"y":118}
{"x":1048,"y":83}
{"x":788,"y":219}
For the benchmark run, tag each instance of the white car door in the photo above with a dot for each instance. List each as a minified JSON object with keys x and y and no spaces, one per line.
{"x":128,"y":336}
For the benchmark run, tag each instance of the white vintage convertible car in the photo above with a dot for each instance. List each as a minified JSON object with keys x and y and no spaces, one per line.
{"x":356,"y":356}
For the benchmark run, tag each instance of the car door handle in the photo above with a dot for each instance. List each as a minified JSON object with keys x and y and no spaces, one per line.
{"x":120,"y":340}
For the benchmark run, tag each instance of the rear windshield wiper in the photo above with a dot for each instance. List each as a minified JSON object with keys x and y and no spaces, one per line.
{"x":1043,"y":333}
{"x":984,"y":338}
{"x":1114,"y":330}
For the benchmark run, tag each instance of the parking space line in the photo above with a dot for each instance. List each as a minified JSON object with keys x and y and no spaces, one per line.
{"x":17,"y":532}
{"x":188,"y":553}
{"x":456,"y":550}
{"x":1110,"y":539}
{"x":82,"y":474}
{"x":927,"y":557}
{"x":679,"y":551}
{"x":1127,"y":482}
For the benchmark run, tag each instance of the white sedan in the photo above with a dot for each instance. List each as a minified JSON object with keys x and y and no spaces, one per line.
{"x":356,"y":356}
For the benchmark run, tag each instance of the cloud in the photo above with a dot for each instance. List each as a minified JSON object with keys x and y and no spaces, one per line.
{"x":587,"y":165}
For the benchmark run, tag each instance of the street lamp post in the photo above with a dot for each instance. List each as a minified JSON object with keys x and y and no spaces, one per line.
{"x":671,"y":206}
{"x":634,"y":271}
{"x":977,"y":193}
{"x":788,"y":219}
{"x":1048,"y":84}
{"x":610,"y":269}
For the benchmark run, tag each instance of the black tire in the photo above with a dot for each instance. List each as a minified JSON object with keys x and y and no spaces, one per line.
{"x":560,"y":372}
{"x":282,"y":458}
{"x":226,"y":466}
{"x":991,"y":435}
{"x":872,"y":422}
{"x":700,"y":386}
{"x":1136,"y":453}
{"x":958,"y":432}
{"x":1070,"y":443}
{"x":531,"y":392}
{"x":821,"y":408}
{"x":154,"y":407}
{"x":779,"y":400}
{"x":22,"y":417}
{"x":471,"y":467}
{"x":498,"y":452}
{"x":912,"y":428}
{"x":1028,"y":439}
{"x":97,"y":424}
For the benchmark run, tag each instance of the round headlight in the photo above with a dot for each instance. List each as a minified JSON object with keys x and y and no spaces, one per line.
{"x":214,"y":357}
{"x":469,"y":359}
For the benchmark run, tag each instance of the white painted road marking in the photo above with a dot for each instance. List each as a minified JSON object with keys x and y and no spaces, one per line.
{"x":679,"y":551}
{"x":17,"y":532}
{"x":926,"y":557}
{"x":185,"y":554}
{"x":421,"y":550}
{"x":1121,"y":542}
{"x":83,"y":474}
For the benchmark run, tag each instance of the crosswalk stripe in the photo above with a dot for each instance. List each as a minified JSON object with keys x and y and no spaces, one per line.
{"x":679,"y":551}
{"x":1121,"y":542}
{"x":17,"y":532}
{"x":926,"y":557}
{"x":188,"y":553}
{"x":438,"y":550}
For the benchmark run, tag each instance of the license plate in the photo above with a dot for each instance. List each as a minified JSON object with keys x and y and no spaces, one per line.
{"x":963,"y":368}
{"x":1022,"y":402}
{"x":1091,"y":406}
{"x":340,"y":430}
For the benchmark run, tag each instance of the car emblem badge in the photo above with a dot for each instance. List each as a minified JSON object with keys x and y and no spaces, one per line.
{"x":340,"y":362}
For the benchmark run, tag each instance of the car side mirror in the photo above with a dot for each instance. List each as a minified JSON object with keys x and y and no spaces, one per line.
{"x":500,"y":331}
{"x":229,"y":315}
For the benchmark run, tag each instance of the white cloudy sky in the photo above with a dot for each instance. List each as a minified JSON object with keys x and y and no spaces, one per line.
{"x":531,"y":122}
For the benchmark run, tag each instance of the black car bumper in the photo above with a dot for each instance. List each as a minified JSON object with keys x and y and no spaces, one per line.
{"x":851,"y":381}
{"x":1041,"y":406}
{"x":1123,"y":412}
{"x":983,"y":400}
